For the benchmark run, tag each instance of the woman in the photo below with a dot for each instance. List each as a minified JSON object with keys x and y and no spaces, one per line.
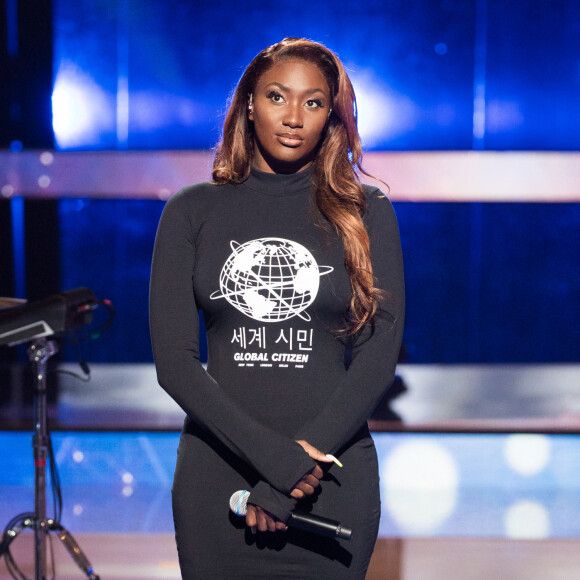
{"x":297,"y":269}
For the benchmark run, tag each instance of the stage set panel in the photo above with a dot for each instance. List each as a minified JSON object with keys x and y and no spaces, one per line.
{"x":514,"y":486}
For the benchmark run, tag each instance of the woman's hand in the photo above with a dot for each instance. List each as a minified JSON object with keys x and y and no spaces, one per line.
{"x":263,"y":521}
{"x":308,"y":483}
{"x":259,"y":518}
{"x":311,"y":480}
{"x":314,"y":453}
{"x":256,"y":517}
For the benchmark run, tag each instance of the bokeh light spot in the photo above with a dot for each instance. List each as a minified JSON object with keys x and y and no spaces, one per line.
{"x":420,"y":480}
{"x":46,"y":158}
{"x":527,"y":454}
{"x":527,"y":520}
{"x":7,"y":190}
{"x":43,"y":181}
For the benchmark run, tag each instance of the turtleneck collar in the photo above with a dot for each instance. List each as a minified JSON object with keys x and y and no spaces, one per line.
{"x":280,"y":184}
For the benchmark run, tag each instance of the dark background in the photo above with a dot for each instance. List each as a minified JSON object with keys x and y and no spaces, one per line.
{"x":486,"y":282}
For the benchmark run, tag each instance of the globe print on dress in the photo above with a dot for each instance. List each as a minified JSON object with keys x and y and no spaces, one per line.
{"x":270,"y":279}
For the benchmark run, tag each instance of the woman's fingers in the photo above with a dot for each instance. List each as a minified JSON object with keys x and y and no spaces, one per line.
{"x":265,"y":524}
{"x":251,"y":519}
{"x":311,"y":479}
{"x":261,"y":520}
{"x":296,"y":493}
{"x":316,"y":454}
{"x":317,"y":472}
{"x":305,"y":488}
{"x":308,"y":483}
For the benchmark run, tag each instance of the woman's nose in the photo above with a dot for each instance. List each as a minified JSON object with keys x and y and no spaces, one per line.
{"x":293,"y":116}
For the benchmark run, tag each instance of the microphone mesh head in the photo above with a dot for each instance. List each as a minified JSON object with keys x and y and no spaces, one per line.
{"x":239,"y":502}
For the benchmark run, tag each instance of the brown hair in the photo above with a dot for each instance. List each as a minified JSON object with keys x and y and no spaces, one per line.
{"x":339,"y":194}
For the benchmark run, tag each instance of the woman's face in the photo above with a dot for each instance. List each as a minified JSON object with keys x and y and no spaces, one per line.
{"x":289,"y":110}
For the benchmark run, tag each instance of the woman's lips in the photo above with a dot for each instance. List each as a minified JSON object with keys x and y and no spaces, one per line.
{"x":290,"y":139}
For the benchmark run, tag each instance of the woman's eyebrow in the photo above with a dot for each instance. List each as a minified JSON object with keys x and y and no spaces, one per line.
{"x":288,"y":89}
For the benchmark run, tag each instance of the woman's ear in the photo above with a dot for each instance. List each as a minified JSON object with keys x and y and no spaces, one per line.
{"x":251,"y":107}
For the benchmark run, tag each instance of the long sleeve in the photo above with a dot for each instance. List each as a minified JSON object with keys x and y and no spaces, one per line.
{"x":174,"y":333}
{"x":373,"y":366}
{"x":376,"y":351}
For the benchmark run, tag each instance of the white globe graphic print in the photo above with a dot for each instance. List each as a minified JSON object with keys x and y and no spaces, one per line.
{"x":270,"y":279}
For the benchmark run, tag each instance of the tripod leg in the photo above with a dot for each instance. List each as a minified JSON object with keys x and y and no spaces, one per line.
{"x":75,"y":551}
{"x":13,"y":529}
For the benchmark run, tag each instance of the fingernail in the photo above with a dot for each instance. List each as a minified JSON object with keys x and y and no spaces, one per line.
{"x":329,"y":456}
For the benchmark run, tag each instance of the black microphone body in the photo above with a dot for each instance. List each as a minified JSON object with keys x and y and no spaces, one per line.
{"x":319,"y":525}
{"x":302,"y":521}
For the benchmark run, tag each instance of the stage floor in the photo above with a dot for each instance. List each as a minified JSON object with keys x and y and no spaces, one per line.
{"x":153,"y":557}
{"x":479,"y":474}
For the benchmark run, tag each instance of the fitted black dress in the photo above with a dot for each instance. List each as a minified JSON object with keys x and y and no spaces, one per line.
{"x":268,"y":275}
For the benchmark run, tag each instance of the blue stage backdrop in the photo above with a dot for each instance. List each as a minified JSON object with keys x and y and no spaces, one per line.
{"x":509,"y":296}
{"x":429,"y":74}
{"x":486,"y":282}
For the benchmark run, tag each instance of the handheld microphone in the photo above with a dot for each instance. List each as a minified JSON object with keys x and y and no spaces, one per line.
{"x":307,"y":522}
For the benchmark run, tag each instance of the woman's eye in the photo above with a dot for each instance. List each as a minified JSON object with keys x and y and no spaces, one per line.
{"x":314,"y":104}
{"x":275,"y":97}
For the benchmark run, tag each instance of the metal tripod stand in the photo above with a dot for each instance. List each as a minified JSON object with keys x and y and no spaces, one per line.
{"x":39,"y":352}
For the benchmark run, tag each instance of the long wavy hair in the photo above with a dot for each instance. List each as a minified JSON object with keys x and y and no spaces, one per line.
{"x":340,"y":196}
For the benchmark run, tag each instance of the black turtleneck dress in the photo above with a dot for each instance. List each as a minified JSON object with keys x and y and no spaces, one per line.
{"x":268,"y":275}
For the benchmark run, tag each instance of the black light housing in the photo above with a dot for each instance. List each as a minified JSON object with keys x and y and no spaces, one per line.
{"x":50,"y":316}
